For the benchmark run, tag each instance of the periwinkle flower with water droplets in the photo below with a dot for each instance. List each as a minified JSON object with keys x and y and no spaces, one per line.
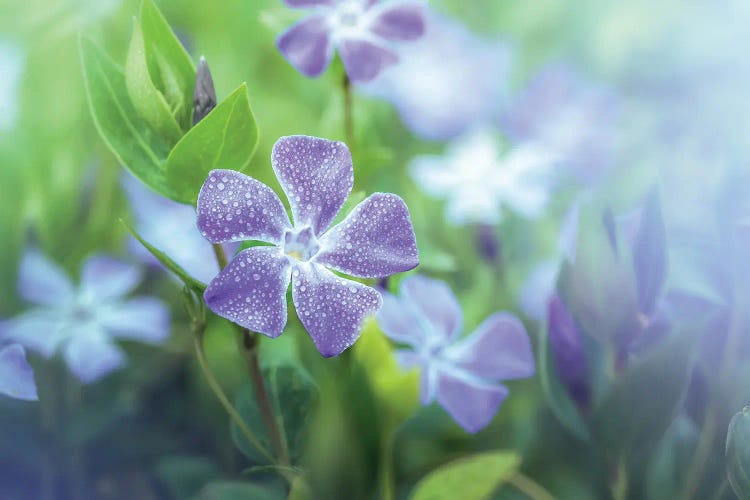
{"x":464,"y":374}
{"x":361,"y":30}
{"x":374,"y":241}
{"x":82,"y":322}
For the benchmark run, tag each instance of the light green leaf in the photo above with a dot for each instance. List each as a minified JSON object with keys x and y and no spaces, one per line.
{"x":475,"y":476}
{"x":145,"y":97}
{"x":184,"y":276}
{"x":292,"y":394}
{"x":121,"y":127}
{"x":237,"y":490}
{"x":169,"y":64}
{"x":225,"y":138}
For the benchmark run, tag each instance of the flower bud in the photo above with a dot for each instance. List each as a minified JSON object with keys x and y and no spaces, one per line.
{"x":566,"y":342}
{"x":738,"y":453}
{"x":204,"y":96}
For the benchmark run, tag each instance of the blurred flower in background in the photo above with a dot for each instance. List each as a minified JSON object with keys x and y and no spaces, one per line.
{"x":477,"y":178}
{"x":83,"y":322}
{"x":463,"y":375}
{"x":11,"y":67}
{"x":16,"y":376}
{"x":448,"y":81}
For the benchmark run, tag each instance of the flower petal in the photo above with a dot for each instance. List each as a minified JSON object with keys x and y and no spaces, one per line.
{"x":471,"y":403}
{"x":399,"y":321}
{"x":399,"y":21}
{"x":375,"y":240}
{"x":436,"y":305}
{"x":332,"y":309}
{"x":91,"y":355}
{"x":39,"y":330}
{"x":104,"y":278}
{"x":251,"y":290}
{"x":235,"y":207}
{"x":364,"y":60}
{"x":42,"y":281}
{"x":499,"y":349}
{"x":16,"y":376}
{"x":306,"y":4}
{"x":145,"y":319}
{"x":307,"y":45}
{"x":317,"y":176}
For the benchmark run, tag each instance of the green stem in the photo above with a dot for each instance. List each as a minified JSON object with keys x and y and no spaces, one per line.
{"x":529,"y":487}
{"x":620,"y":482}
{"x":387,"y":486}
{"x":76,"y":458}
{"x":348,"y":111}
{"x":221,"y":256}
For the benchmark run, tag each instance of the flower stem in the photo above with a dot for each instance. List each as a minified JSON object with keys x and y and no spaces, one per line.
{"x":221,"y":256}
{"x":348,"y":111}
{"x":619,"y":483}
{"x":529,"y":487}
{"x":387,"y":487}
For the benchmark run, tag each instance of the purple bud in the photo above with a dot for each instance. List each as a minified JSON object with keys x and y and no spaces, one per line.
{"x":487,"y":243}
{"x":204,"y":96}
{"x":567,"y":350}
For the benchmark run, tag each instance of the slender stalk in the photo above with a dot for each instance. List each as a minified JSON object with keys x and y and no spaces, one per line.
{"x":76,"y":458}
{"x":619,"y":483}
{"x":387,"y":486}
{"x":221,"y":256}
{"x":529,"y":487}
{"x":348,"y":111}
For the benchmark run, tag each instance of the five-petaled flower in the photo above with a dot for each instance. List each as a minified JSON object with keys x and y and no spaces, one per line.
{"x":16,"y":376}
{"x":375,"y":240}
{"x":83,"y":322}
{"x":360,"y":29}
{"x":462,"y":374}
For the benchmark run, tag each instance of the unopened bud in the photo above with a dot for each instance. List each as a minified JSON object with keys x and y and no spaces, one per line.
{"x":204,"y":96}
{"x":566,"y":342}
{"x":738,"y":453}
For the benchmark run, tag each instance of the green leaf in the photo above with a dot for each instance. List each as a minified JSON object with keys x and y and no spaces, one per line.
{"x":169,"y":64}
{"x":192,"y":283}
{"x":475,"y":476}
{"x":292,"y":394}
{"x":629,"y":415}
{"x":237,"y":490}
{"x":121,"y":127}
{"x":184,"y":476}
{"x":669,"y":462}
{"x":145,"y":97}
{"x":225,"y":138}
{"x":557,"y":396}
{"x":738,"y":453}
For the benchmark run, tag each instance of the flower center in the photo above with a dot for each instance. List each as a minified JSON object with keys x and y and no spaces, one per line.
{"x":348,"y":14}
{"x":301,"y":245}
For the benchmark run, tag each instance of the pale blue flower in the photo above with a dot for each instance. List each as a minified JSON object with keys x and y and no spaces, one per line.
{"x":16,"y":376}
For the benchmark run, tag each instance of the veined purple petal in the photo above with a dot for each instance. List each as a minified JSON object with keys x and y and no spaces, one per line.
{"x":145,"y":319}
{"x":251,"y":290}
{"x":16,"y":376}
{"x":498,"y":350}
{"x":307,"y":45}
{"x":235,"y":207}
{"x":39,"y":330}
{"x":399,"y":21}
{"x":375,"y":240}
{"x":104,"y":278}
{"x":92,"y":355}
{"x":435,"y":303}
{"x":400,"y":322}
{"x":471,"y":403}
{"x":332,"y":309}
{"x":317,"y":176}
{"x":364,"y":60}
{"x":306,"y":4}
{"x":41,"y":281}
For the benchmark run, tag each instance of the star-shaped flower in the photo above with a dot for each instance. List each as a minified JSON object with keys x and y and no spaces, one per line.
{"x":477,"y":179}
{"x":16,"y":376}
{"x":375,"y":240}
{"x":82,"y":322}
{"x":463,"y":375}
{"x":360,"y":29}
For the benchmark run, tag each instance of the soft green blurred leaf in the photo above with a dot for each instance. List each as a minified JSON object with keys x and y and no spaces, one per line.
{"x":184,"y":476}
{"x":738,"y":453}
{"x":236,"y":490}
{"x":293,"y":394}
{"x":145,"y":97}
{"x":225,"y":138}
{"x":475,"y":477}
{"x":300,"y":490}
{"x":665,"y":473}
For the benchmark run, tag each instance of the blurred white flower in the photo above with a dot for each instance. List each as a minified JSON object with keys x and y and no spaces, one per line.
{"x":11,"y":68}
{"x":478,"y":178}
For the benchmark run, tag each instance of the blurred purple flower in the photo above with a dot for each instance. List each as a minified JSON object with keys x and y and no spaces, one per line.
{"x":170,"y":227}
{"x":83,"y":322}
{"x":16,"y":376}
{"x":462,"y":374}
{"x":375,"y":240}
{"x":447,"y":81}
{"x":566,"y":343}
{"x":360,"y":29}
{"x":573,"y":120}
{"x":477,"y":179}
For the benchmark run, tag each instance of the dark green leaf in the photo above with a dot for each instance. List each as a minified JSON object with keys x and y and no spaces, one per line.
{"x":184,"y":476}
{"x":292,"y":394}
{"x":170,"y":264}
{"x":236,"y":490}
{"x":225,"y":138}
{"x":738,"y":453}
{"x":475,"y":476}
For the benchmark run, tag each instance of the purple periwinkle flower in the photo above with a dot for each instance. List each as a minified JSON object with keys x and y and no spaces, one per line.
{"x":463,"y":375}
{"x":374,"y":241}
{"x":82,"y":322}
{"x":16,"y":376}
{"x":361,"y":30}
{"x":566,"y":342}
